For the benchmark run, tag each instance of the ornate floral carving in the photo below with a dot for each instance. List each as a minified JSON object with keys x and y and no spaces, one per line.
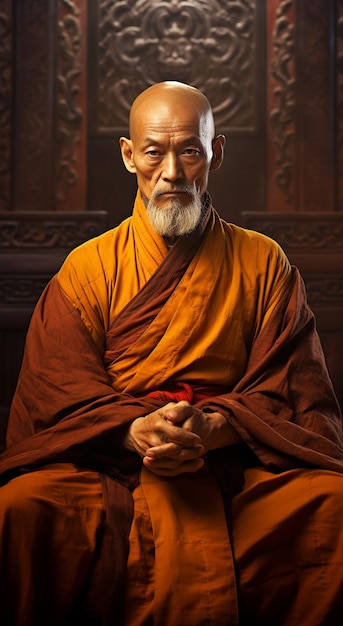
{"x":282,"y":117}
{"x":311,"y":234}
{"x":315,"y":89}
{"x":324,"y":290}
{"x":69,"y":114}
{"x":49,"y":230}
{"x":19,"y":289}
{"x":33,"y":113}
{"x":5,"y":106}
{"x":210,"y":44}
{"x":339,"y":121}
{"x":300,"y":231}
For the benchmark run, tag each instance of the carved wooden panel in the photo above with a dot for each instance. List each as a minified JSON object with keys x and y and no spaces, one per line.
{"x":316,"y":106}
{"x":301,"y":106}
{"x":49,"y":230}
{"x":49,"y":147}
{"x":33,"y":172}
{"x":216,"y":45}
{"x":281,"y":105}
{"x":339,"y":103}
{"x":308,"y":232}
{"x":6,"y":62}
{"x":210,"y":44}
{"x":71,"y":129}
{"x":32,"y":248}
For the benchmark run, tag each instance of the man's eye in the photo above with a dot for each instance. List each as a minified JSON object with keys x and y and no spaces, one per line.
{"x":191,"y":151}
{"x":153,"y":153}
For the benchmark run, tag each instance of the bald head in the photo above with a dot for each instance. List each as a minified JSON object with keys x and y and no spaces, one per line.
{"x":172,"y":145}
{"x":166,"y":101}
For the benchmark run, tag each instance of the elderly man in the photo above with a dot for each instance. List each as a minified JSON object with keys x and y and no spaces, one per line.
{"x":174,"y":449}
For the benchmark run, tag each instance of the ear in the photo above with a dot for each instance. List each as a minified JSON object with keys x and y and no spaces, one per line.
{"x":218,"y":145}
{"x":126,"y":147}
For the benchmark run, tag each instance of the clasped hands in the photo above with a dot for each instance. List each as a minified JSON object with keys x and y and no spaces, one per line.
{"x":174,"y":439}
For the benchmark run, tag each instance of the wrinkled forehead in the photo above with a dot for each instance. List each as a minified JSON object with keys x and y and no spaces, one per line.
{"x":173,"y":111}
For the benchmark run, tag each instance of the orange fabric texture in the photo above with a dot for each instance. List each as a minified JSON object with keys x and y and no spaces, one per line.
{"x":245,"y":333}
{"x":212,"y":316}
{"x":287,"y":543}
{"x":285,"y":548}
{"x":179,"y":537}
{"x":40,"y":514}
{"x":232,"y":331}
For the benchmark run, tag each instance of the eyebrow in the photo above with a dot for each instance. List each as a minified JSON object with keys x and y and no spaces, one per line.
{"x":148,"y":141}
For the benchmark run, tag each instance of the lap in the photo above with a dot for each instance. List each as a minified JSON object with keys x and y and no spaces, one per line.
{"x":179,"y":549}
{"x":287,"y":542}
{"x":285,"y":532}
{"x":58,"y":502}
{"x":62,"y":483}
{"x":49,"y":536}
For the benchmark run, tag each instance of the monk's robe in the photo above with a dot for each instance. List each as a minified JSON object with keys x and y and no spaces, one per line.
{"x":127,"y":325}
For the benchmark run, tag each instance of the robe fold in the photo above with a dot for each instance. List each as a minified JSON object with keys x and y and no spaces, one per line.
{"x":127,"y":325}
{"x":235,"y":335}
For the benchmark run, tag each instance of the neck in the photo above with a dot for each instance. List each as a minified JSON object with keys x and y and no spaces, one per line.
{"x":170,"y":241}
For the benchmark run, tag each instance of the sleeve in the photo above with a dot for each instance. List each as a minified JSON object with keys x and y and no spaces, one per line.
{"x":284,"y":407}
{"x":64,"y":407}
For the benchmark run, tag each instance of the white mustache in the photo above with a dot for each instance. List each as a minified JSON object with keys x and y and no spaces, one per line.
{"x":177,"y":189}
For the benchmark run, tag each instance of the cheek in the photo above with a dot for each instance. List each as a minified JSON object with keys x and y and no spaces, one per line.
{"x":145,"y":172}
{"x":198,"y":172}
{"x":146,"y":183}
{"x":200,"y":181}
{"x":145,"y":179}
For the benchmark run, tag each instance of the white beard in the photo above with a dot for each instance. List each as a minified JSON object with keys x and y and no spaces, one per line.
{"x":175,"y":219}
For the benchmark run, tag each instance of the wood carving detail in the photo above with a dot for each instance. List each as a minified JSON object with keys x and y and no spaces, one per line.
{"x":315,"y":89}
{"x":69,"y":114}
{"x":32,"y":116}
{"x":324,"y":290}
{"x":5,"y":108}
{"x":210,"y":44}
{"x":306,"y":231}
{"x":282,"y":116}
{"x":64,"y":231}
{"x":18,"y":289}
{"x":339,"y":121}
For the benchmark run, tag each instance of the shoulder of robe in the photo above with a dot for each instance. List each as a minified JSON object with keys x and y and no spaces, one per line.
{"x":96,"y":258}
{"x":258,"y":246}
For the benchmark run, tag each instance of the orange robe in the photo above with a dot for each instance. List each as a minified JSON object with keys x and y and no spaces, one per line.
{"x":221,"y":320}
{"x":277,"y":562}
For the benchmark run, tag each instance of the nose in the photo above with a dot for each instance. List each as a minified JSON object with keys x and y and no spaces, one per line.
{"x":172,"y":169}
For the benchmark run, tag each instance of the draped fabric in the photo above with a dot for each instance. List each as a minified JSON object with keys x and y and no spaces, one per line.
{"x":276,"y":562}
{"x":180,"y":566}
{"x":127,"y":325}
{"x":241,"y":340}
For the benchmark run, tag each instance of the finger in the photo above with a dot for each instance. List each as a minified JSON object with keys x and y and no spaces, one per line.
{"x":167,"y":468}
{"x":171,"y":433}
{"x":154,"y":429}
{"x":173,"y":451}
{"x":177,"y":412}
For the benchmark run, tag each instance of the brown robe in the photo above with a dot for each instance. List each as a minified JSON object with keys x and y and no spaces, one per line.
{"x":66,"y":410}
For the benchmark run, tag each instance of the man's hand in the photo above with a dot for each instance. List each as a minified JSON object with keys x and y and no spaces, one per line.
{"x":173,"y":439}
{"x":213,"y":429}
{"x":167,"y":448}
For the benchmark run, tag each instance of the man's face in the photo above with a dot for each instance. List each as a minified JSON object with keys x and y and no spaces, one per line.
{"x":171,"y":153}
